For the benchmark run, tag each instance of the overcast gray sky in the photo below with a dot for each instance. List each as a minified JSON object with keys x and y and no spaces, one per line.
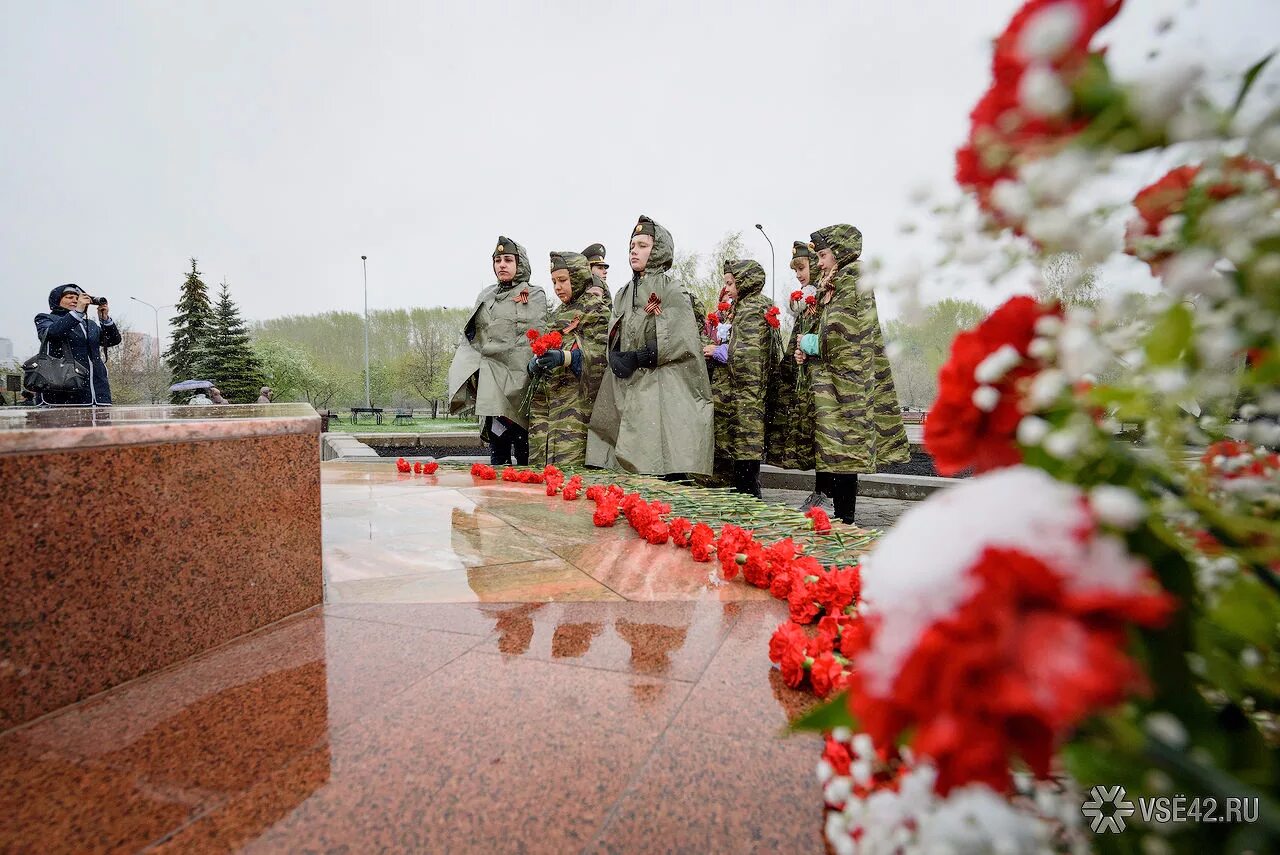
{"x":278,"y":141}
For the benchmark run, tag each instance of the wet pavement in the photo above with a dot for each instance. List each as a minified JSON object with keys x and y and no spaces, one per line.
{"x":490,"y":672}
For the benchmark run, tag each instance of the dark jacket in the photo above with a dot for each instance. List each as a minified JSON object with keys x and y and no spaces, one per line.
{"x":64,"y":334}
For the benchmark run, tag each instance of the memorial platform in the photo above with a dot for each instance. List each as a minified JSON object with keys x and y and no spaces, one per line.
{"x":488,"y":672}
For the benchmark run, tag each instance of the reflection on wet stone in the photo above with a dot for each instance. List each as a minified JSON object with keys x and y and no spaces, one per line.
{"x":515,"y":627}
{"x":572,"y":640}
{"x":651,"y":644}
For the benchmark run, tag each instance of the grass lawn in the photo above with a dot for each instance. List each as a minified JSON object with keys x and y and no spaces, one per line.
{"x":419,"y":425}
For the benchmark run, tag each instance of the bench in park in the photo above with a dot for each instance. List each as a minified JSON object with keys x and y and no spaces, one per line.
{"x":356,"y":412}
{"x":404,"y":417}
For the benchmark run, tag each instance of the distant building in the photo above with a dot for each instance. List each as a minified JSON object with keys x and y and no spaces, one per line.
{"x":6,"y":348}
{"x":139,"y":346}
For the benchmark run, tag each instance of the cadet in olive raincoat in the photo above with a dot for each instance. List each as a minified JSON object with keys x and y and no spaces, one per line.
{"x":790,"y":440}
{"x":653,"y":414}
{"x":753,"y":347}
{"x":569,"y":377}
{"x":857,"y":419}
{"x":489,"y":365}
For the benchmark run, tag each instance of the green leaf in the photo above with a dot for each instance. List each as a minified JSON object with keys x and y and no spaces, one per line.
{"x":1249,"y":610}
{"x":827,"y":716}
{"x":1170,"y":335}
{"x":1246,"y":83}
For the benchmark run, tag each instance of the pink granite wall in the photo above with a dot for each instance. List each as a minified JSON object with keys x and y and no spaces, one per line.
{"x":121,"y":560}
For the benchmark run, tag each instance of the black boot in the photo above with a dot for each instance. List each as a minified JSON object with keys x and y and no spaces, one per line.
{"x":846,"y":496}
{"x":746,"y":477}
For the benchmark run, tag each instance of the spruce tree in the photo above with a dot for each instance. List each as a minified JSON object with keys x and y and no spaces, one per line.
{"x":231,"y":363}
{"x":187,"y":348}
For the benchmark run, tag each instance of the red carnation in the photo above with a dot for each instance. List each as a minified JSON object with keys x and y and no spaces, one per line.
{"x":1011,"y":672}
{"x":819,"y":519}
{"x":771,"y":317}
{"x":483,"y":471}
{"x":702,"y":542}
{"x":403,"y":465}
{"x":957,"y":433}
{"x":825,"y":674}
{"x":532,"y":335}
{"x":510,"y":474}
{"x":733,"y":543}
{"x":803,"y":600}
{"x":797,"y":295}
{"x":786,"y":636}
{"x":594,"y":492}
{"x":417,"y":468}
{"x":656,"y":532}
{"x":606,"y":514}
{"x":724,"y":307}
{"x":430,"y":467}
{"x":681,"y":528}
{"x":811,"y":301}
{"x":837,"y":756}
{"x":792,"y":664}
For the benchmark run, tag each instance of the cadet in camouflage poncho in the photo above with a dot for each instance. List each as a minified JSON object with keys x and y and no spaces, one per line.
{"x":717,"y":355}
{"x":752,"y":349}
{"x":561,"y":409}
{"x":653,"y":413}
{"x":858,"y":420}
{"x":790,"y":441}
{"x":488,"y":368}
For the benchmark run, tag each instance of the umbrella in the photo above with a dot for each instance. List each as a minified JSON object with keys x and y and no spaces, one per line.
{"x":191,"y":385}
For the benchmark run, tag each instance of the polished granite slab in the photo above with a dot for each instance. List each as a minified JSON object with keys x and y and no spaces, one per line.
{"x":534,"y":727}
{"x":489,"y":673}
{"x":136,"y":537}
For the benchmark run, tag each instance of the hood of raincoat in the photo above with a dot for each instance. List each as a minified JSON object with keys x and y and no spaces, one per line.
{"x":664,"y":246}
{"x":844,"y":241}
{"x":506,"y":246}
{"x":750,"y":278}
{"x":579,"y":271}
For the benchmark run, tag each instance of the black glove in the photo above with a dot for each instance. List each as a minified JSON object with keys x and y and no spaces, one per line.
{"x":624,"y":363}
{"x":533,"y":368}
{"x":648,"y":356}
{"x":549,"y":360}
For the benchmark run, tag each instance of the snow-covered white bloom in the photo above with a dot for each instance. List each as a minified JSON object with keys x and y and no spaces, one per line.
{"x":997,"y":364}
{"x":1048,"y":325}
{"x":986,"y":398}
{"x":1158,"y":98}
{"x":1052,"y":227}
{"x":1040,"y":348}
{"x":1057,"y":177}
{"x":1048,"y":34}
{"x":1062,"y":444}
{"x":1042,"y":92}
{"x":1045,"y":389}
{"x":1117,"y":506}
{"x":1032,"y":430}
{"x":1166,"y":728}
{"x":1012,"y":198}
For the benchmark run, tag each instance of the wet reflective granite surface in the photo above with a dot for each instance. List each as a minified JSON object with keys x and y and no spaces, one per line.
{"x":489,"y":672}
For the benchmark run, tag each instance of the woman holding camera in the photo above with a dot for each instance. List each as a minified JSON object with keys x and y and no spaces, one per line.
{"x":67,"y":329}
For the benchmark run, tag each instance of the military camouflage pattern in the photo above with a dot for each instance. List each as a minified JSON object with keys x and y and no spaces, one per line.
{"x":789,"y":442}
{"x":753,"y":345}
{"x":658,"y":420}
{"x":858,"y":419}
{"x":561,"y":409}
{"x":721,"y":388}
{"x":603,"y":287}
{"x":488,"y":371}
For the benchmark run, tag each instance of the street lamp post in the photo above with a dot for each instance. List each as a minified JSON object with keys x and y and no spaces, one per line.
{"x":364,"y":264}
{"x":773,"y":264}
{"x":155,"y":353}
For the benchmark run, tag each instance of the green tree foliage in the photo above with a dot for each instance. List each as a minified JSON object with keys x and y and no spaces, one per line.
{"x":230,"y":361}
{"x":917,"y":350}
{"x":187,"y":348}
